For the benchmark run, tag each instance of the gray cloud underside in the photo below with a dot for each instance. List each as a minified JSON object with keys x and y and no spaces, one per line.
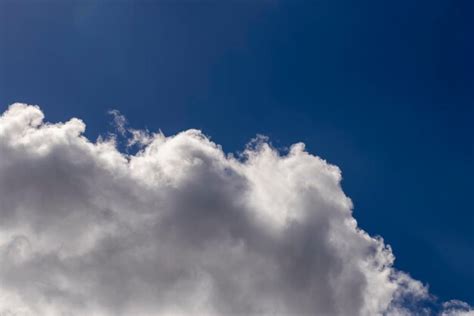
{"x":180,"y":228}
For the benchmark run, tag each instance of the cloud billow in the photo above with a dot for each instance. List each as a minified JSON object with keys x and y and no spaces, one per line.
{"x":181,"y":228}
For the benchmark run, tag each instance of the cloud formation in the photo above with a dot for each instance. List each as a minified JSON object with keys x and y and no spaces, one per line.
{"x":181,"y":228}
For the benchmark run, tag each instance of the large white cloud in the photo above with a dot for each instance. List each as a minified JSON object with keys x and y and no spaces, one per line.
{"x":180,"y":228}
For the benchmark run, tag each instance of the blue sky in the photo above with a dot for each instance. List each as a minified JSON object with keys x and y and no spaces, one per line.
{"x":384,"y":90}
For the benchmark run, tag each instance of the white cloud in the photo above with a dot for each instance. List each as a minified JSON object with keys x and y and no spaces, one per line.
{"x":119,"y":121}
{"x":180,"y":228}
{"x":457,"y":308}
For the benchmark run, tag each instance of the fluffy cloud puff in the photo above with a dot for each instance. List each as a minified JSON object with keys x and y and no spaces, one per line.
{"x":180,"y":228}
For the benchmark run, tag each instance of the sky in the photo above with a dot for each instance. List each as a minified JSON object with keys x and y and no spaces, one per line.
{"x":382,"y":90}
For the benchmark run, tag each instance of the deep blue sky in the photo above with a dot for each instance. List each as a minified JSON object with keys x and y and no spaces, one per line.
{"x":383,"y":89}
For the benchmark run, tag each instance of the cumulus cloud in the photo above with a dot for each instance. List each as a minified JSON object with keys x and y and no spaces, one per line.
{"x":181,"y":228}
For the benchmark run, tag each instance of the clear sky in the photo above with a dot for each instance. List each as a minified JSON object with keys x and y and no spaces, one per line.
{"x":382,"y":89}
